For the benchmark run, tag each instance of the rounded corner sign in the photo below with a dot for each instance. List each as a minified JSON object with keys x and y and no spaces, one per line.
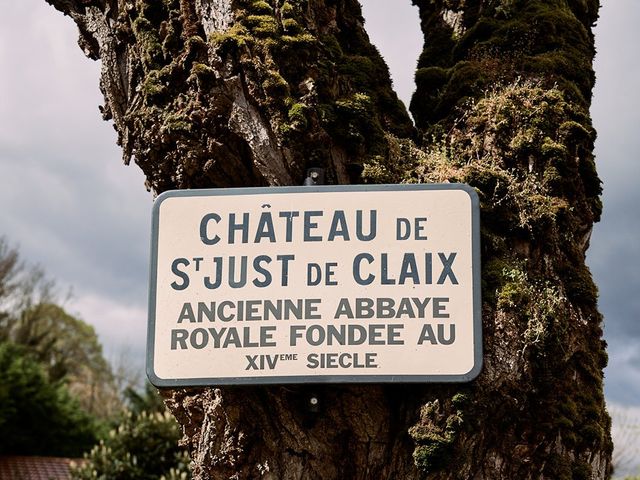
{"x":357,"y":284}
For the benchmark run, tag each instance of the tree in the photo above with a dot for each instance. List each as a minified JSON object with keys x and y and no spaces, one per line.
{"x":245,"y":92}
{"x":38,"y":416}
{"x":66,"y":347}
{"x":142,"y":446}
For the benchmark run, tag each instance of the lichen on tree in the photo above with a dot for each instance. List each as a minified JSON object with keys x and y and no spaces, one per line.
{"x":217,"y":93}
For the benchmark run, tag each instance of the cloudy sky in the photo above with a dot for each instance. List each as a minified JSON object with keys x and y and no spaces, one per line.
{"x":69,"y":203}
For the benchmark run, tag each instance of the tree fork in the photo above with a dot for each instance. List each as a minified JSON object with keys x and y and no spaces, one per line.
{"x":217,"y":93}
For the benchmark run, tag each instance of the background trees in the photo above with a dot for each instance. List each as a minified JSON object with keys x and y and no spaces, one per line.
{"x":38,"y":416}
{"x":143,"y":445}
{"x":66,"y":348}
{"x":52,"y":367}
{"x":60,"y":397}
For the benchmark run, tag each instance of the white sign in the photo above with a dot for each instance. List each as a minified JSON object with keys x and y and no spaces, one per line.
{"x":315,"y":284}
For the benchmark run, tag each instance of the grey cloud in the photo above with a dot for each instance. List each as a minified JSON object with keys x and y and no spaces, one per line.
{"x":615,"y":252}
{"x":394,"y":27}
{"x":68,"y":200}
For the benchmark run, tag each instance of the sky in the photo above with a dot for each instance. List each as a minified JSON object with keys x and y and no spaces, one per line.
{"x":71,"y":206}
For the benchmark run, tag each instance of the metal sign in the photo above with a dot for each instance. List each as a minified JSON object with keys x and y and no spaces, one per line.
{"x":315,"y":285}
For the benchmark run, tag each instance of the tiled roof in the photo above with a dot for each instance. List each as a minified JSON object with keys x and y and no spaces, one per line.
{"x":34,"y":468}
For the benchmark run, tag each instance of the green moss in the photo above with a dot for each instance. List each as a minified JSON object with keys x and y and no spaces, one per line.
{"x":570,"y":409}
{"x":304,"y":39}
{"x":151,"y":10}
{"x":581,"y":470}
{"x":237,"y":36}
{"x":564,"y":423}
{"x":202,"y":70}
{"x":459,"y":400}
{"x":574,"y":132}
{"x":430,"y":79}
{"x":533,"y":39}
{"x":552,"y":179}
{"x":287,"y":10}
{"x":580,"y":286}
{"x":176,"y":123}
{"x":516,"y":291}
{"x":261,"y":7}
{"x":291,"y":26}
{"x":262,"y":25}
{"x":551,"y":149}
{"x":432,"y":457}
{"x":358,"y":67}
{"x":196,"y":43}
{"x":435,"y":441}
{"x":275,"y":85}
{"x":558,"y":467}
{"x":147,"y":38}
{"x":298,"y":116}
{"x":592,"y":434}
{"x":332,"y":46}
{"x":355,"y":124}
{"x":153,"y":88}
{"x":202,"y":74}
{"x":172,"y":43}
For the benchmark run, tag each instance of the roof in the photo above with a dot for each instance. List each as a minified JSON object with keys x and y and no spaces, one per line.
{"x":35,"y":468}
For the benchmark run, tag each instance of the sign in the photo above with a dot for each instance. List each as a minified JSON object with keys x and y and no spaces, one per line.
{"x":315,"y":285}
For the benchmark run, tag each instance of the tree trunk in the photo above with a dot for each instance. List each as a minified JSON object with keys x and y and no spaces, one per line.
{"x":218,"y":93}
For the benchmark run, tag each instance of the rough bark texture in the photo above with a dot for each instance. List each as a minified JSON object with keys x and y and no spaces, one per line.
{"x":212,"y":93}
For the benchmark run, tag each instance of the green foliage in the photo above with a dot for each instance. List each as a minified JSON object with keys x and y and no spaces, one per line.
{"x":64,"y":344}
{"x":47,"y":359}
{"x":66,"y":347}
{"x":144,"y":445}
{"x":38,"y":416}
{"x":147,"y":401}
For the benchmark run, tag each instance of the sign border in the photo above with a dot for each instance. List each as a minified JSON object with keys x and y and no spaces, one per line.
{"x":319,"y":379}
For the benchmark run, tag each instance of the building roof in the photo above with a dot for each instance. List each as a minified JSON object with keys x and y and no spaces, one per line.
{"x":34,"y":468}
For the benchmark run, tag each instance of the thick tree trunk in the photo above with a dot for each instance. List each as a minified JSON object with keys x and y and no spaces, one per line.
{"x":213,"y":93}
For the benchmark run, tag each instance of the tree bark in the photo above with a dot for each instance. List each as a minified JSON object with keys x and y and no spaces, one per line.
{"x":217,"y":93}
